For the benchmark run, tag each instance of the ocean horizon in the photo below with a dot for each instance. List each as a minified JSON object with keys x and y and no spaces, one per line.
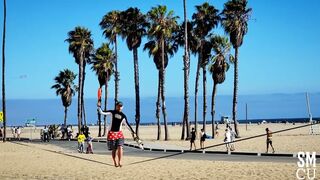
{"x":268,"y":106}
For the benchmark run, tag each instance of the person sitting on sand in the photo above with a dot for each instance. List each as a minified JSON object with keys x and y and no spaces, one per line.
{"x":81,"y":138}
{"x":203,"y":137}
{"x":269,"y":140}
{"x":115,"y":136}
{"x":192,"y":139}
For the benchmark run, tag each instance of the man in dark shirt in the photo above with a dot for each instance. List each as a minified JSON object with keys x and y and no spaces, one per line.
{"x":115,"y":136}
{"x":193,"y":138}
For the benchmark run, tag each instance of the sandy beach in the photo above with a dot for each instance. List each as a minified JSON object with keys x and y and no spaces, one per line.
{"x":25,"y":160}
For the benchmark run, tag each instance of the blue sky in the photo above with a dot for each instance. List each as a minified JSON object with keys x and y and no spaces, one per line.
{"x":279,"y":54}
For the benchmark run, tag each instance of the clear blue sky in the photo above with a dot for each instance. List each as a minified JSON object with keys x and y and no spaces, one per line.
{"x":280,"y":53}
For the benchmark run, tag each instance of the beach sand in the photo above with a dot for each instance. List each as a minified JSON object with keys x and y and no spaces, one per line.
{"x":34,"y":162}
{"x":37,"y":161}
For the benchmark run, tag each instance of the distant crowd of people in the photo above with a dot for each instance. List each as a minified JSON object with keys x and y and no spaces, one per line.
{"x":229,"y":139}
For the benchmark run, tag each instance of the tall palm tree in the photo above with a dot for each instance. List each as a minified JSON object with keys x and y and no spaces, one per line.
{"x":192,"y":42}
{"x":186,"y":70}
{"x":163,"y":25}
{"x":155,"y":50}
{"x":111,"y":25}
{"x":235,"y":17}
{"x":133,"y":29}
{"x":205,"y":19}
{"x":80,"y":45}
{"x":218,"y":67}
{"x":102,"y":64}
{"x":65,"y":88}
{"x":3,"y":71}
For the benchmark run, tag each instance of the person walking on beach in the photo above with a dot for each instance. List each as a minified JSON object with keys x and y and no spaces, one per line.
{"x":69,"y":132}
{"x":269,"y":140}
{"x":45,"y":133}
{"x":18,"y":131}
{"x":233,"y":137}
{"x":89,"y":144}
{"x":227,"y":139}
{"x":13,"y":131}
{"x":81,"y":138}
{"x":193,"y":138}
{"x":115,"y":136}
{"x":203,"y":137}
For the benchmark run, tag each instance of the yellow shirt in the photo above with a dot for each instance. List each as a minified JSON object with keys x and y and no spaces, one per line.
{"x":81,"y":138}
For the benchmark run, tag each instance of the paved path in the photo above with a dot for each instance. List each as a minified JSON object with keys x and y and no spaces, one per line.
{"x":101,"y":148}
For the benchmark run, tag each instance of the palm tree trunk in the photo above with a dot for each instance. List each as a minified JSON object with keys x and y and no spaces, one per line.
{"x":116,"y":73}
{"x":136,"y":83}
{"x":186,"y":69}
{"x":79,"y":94}
{"x":204,"y":84}
{"x":105,"y":105}
{"x":166,"y":133}
{"x":235,"y":93}
{"x":83,"y":112}
{"x":158,"y":106}
{"x":213,"y":111}
{"x":82,"y":96}
{"x":99,"y":123}
{"x":3,"y":71}
{"x":196,"y":94}
{"x":163,"y":71}
{"x":65,"y":116}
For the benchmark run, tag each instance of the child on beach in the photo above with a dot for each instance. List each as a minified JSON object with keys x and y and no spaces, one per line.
{"x":89,"y":144}
{"x":81,"y":138}
{"x":193,"y":138}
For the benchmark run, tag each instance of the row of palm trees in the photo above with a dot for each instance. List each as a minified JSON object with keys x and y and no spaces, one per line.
{"x":165,"y":36}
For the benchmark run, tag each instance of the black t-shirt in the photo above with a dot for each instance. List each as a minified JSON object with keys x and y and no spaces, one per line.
{"x":193,"y":135}
{"x":117,"y":118}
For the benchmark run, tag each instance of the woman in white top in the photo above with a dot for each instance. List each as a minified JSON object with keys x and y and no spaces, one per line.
{"x":227,"y":139}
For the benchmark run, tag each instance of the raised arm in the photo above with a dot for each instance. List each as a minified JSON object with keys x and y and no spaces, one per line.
{"x":104,"y":112}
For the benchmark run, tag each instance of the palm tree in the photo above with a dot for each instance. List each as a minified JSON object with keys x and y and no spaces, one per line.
{"x":192,"y":42}
{"x":133,"y":29}
{"x":155,"y":50}
{"x":111,"y":25}
{"x":186,"y":69}
{"x":163,"y":25}
{"x":66,"y":89}
{"x":205,"y":19}
{"x":3,"y":71}
{"x":235,"y":16}
{"x":218,"y":67}
{"x":80,"y":45}
{"x":102,"y":64}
